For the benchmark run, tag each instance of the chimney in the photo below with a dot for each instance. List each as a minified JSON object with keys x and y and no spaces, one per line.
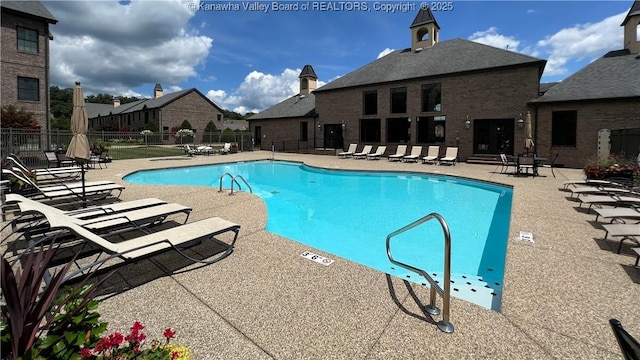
{"x":116,"y":103}
{"x":157,"y":91}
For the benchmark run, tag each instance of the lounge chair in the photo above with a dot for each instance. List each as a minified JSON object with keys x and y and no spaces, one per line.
{"x":205,"y":150}
{"x":506,"y":163}
{"x":349,"y":152}
{"x":378,"y":154}
{"x":618,"y":214}
{"x":50,"y":187}
{"x":433,"y":153}
{"x":65,"y":173}
{"x":611,"y":182}
{"x":363,"y":154}
{"x":401,"y":151}
{"x":629,"y":346}
{"x":189,"y":151}
{"x":226,"y":148}
{"x":629,"y":232}
{"x":597,"y":190}
{"x":450,"y":156}
{"x":609,"y":200}
{"x":176,"y":238}
{"x":130,"y":218}
{"x":62,"y":191}
{"x":416,"y":152}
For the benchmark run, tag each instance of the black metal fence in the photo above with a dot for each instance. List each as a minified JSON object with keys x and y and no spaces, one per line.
{"x":625,"y":142}
{"x":30,"y":145}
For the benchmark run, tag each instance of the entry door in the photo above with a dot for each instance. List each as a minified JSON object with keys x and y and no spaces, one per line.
{"x":493,"y":136}
{"x":333,"y":136}
{"x":257,"y":136}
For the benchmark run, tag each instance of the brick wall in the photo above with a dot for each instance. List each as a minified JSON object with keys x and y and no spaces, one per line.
{"x":591,"y":117}
{"x":15,"y":63}
{"x":285,"y":133}
{"x":191,"y":107}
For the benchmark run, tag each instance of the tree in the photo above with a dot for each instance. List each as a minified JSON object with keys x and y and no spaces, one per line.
{"x":12,"y":117}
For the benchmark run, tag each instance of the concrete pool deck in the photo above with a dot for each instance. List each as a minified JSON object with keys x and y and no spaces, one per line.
{"x":265,"y":301}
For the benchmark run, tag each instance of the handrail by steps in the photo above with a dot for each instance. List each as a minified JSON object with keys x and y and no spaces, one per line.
{"x":432,"y":309}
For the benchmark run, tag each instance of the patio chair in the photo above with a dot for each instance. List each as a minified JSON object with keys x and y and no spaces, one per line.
{"x":433,"y":154}
{"x":618,"y":214}
{"x":130,"y":218}
{"x":629,"y":346}
{"x":401,"y":151}
{"x":450,"y":156}
{"x":506,"y":163}
{"x":51,"y":158}
{"x":629,"y":232}
{"x":63,"y":191}
{"x":526,"y":163}
{"x":378,"y":154}
{"x":176,"y":238}
{"x":349,"y":152}
{"x":64,"y":160}
{"x":103,"y":158}
{"x":363,"y":154}
{"x":416,"y":152}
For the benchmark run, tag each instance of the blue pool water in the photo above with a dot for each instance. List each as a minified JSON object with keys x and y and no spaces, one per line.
{"x":349,"y":214}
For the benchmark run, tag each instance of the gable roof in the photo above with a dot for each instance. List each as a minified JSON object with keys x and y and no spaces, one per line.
{"x":96,"y":110}
{"x":33,"y":9}
{"x":295,"y":106}
{"x":635,"y":10}
{"x":615,"y":75}
{"x":443,"y":58}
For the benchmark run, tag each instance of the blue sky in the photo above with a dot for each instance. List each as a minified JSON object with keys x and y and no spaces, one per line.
{"x":248,"y":60}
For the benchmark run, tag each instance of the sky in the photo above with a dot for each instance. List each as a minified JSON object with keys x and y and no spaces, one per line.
{"x":246,"y":55}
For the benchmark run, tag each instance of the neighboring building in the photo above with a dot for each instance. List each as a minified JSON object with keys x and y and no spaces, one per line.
{"x":450,"y":93}
{"x":603,"y":95}
{"x":24,"y":64}
{"x":291,"y":124}
{"x":162,"y":114}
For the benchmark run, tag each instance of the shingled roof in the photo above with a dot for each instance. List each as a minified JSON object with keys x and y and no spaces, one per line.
{"x":444,"y":58}
{"x":295,"y":106}
{"x":424,"y":16}
{"x":95,"y":110}
{"x":29,"y":8}
{"x":615,"y":75}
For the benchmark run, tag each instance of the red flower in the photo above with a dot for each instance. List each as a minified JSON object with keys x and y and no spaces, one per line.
{"x":175,"y":355}
{"x":169,"y":334}
{"x":86,"y":353}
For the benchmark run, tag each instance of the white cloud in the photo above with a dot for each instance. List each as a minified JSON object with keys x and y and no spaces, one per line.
{"x":385,"y":52}
{"x":493,"y":38}
{"x":579,"y":42}
{"x":259,"y":91}
{"x":111,"y":46}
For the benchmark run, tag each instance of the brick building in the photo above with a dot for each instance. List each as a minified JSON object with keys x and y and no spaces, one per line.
{"x":450,"y":93}
{"x":160,"y":114}
{"x":604,"y":95}
{"x":24,"y":66}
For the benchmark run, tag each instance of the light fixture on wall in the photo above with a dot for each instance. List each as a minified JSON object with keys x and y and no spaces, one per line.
{"x":408,"y":119}
{"x":467,"y":123}
{"x":319,"y":126}
{"x":344,"y":126}
{"x":520,"y":122}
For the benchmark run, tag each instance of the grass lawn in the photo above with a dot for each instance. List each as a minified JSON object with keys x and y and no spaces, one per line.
{"x":141,"y":151}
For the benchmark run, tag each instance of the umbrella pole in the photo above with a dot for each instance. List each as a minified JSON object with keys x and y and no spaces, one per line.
{"x":84,"y":197}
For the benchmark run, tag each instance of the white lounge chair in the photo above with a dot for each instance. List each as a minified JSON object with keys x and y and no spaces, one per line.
{"x":176,"y":238}
{"x":618,"y":214}
{"x":363,"y":154}
{"x":629,"y":232}
{"x":401,"y":151}
{"x":189,"y":151}
{"x":130,"y":218}
{"x":433,"y":153}
{"x":450,"y":156}
{"x":416,"y":152}
{"x":609,"y":200}
{"x":45,"y":174}
{"x":345,"y":154}
{"x":597,"y":190}
{"x":379,"y":152}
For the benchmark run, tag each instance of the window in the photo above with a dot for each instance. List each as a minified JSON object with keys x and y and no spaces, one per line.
{"x":563,"y":128}
{"x":431,"y":129}
{"x":431,"y":97}
{"x":370,"y":102}
{"x":28,"y":89}
{"x":370,"y":130}
{"x":219,"y":117}
{"x":398,"y":130}
{"x":27,"y":40}
{"x":304,"y":130}
{"x":399,"y":100}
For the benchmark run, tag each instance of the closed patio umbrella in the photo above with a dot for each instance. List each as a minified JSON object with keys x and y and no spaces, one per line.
{"x":528,"y":142}
{"x":79,"y":146}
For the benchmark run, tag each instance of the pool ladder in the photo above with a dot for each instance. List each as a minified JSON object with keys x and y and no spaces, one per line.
{"x":432,"y":309}
{"x":234,"y":181}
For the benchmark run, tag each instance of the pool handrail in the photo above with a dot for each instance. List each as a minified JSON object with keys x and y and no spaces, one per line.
{"x":233,"y":180}
{"x":432,"y":309}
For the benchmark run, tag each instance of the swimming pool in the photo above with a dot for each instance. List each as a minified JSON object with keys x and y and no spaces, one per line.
{"x":350,"y":213}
